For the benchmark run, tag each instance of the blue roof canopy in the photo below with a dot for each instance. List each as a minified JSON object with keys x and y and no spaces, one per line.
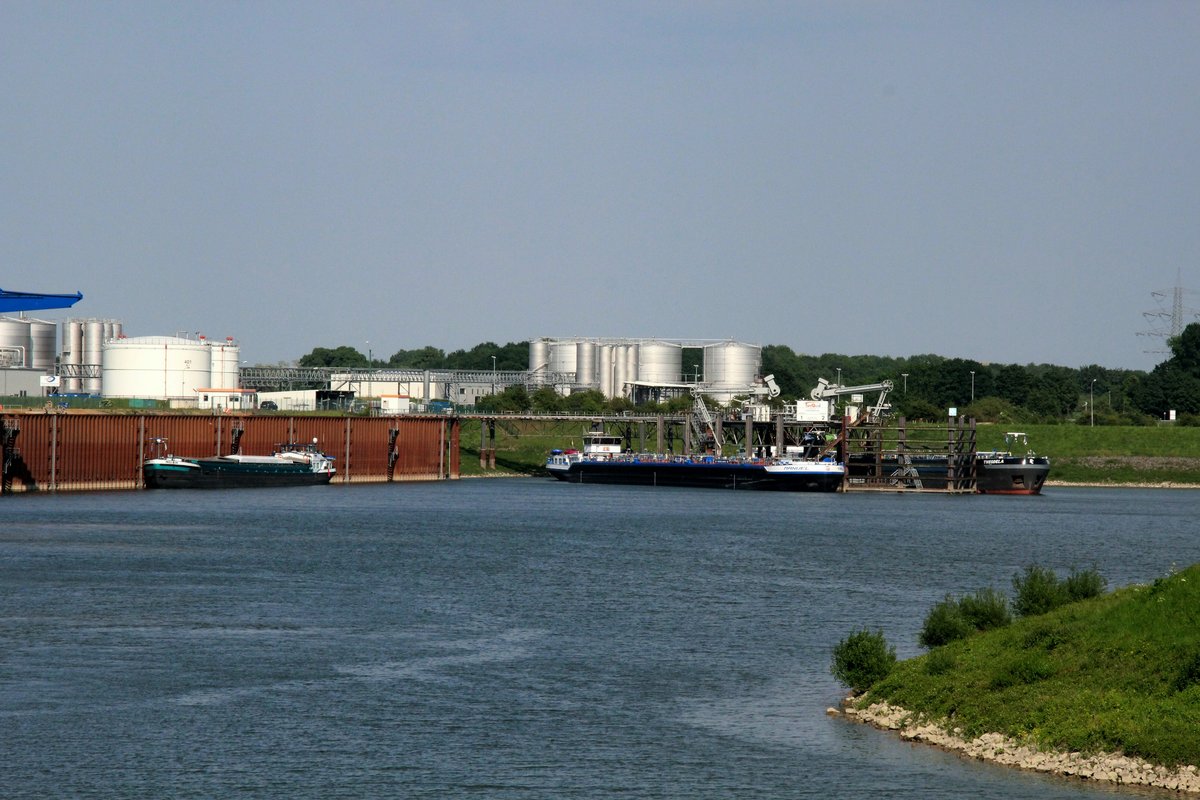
{"x":29,"y":301}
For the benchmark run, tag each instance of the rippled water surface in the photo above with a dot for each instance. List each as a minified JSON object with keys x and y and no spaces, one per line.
{"x":504,"y":638}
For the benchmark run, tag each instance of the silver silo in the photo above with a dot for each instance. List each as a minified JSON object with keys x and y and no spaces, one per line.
{"x":604,"y":369}
{"x":585,"y":364}
{"x":631,"y":365}
{"x":539,"y":360}
{"x":562,"y":357}
{"x":660,"y":362}
{"x":731,"y":367}
{"x":93,"y":352}
{"x":15,"y":342}
{"x":44,"y":337}
{"x":620,"y":370}
{"x":72,"y":355}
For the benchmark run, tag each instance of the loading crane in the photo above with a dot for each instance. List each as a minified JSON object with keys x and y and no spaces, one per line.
{"x":828,"y":391}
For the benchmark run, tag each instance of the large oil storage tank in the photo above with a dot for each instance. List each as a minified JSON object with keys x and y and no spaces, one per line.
{"x":16,"y":343}
{"x":585,"y":365}
{"x":539,"y":360}
{"x":44,"y":336}
{"x":224,"y":372}
{"x":156,"y":367}
{"x":731,"y":367}
{"x":660,"y":362}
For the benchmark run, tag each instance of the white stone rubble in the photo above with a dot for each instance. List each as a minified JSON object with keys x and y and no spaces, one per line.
{"x":1000,"y":749}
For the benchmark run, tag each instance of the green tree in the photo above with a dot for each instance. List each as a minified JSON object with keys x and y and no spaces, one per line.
{"x":589,"y":402}
{"x":343,"y":356}
{"x":1175,"y":383}
{"x":422,"y":358}
{"x":546,"y":401}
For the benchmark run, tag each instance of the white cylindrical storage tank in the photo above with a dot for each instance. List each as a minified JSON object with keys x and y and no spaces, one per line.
{"x":539,"y":360}
{"x":660,"y":362}
{"x":44,"y":336}
{"x":224,"y":370}
{"x":156,"y":367}
{"x":731,"y":366}
{"x":72,"y":353}
{"x":562,"y":357}
{"x":16,"y":343}
{"x":585,"y":365}
{"x":604,"y":369}
{"x":118,"y":330}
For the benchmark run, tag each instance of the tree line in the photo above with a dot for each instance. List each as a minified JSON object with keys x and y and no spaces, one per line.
{"x":925,"y":386}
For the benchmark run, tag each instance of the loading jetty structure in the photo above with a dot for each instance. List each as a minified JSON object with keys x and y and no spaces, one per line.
{"x":84,"y":451}
{"x":889,"y":457}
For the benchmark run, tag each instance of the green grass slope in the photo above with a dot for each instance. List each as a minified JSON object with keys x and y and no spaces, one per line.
{"x":1118,"y":673}
{"x":1118,"y":454}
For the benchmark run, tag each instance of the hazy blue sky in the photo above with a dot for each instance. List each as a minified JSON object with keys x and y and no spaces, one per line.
{"x":1001,"y":181}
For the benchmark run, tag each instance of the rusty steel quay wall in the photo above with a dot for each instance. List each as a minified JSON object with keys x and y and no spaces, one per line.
{"x":82,"y":451}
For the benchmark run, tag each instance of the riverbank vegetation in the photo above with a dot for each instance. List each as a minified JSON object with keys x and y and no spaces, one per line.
{"x":1116,"y":672}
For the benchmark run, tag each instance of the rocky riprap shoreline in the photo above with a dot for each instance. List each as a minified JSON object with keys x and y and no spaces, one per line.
{"x":997,"y":748}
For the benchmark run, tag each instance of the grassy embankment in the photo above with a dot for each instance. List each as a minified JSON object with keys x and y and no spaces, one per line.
{"x":1117,"y":673}
{"x":1078,"y":454}
{"x":1112,"y":454}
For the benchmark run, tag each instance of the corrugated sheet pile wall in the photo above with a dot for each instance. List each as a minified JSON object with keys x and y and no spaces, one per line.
{"x":84,"y":451}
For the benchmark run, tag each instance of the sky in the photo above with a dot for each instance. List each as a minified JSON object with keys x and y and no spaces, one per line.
{"x":1005,"y":182}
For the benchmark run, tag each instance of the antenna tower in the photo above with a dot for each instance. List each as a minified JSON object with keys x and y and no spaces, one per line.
{"x":1168,"y":321}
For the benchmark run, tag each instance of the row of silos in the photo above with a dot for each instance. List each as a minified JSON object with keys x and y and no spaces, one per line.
{"x":28,"y":343}
{"x":82,"y":348}
{"x":612,"y":366}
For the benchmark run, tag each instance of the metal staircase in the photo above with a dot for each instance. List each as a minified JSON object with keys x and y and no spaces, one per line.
{"x":703,"y":425}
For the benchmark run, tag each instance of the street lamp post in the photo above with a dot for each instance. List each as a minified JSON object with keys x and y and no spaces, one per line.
{"x":1092,"y":402}
{"x":839,"y":372}
{"x":696,"y":367}
{"x":972,"y":386}
{"x":905,"y":376}
{"x":493,"y":374}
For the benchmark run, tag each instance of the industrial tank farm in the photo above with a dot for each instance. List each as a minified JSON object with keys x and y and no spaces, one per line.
{"x":616,"y":366}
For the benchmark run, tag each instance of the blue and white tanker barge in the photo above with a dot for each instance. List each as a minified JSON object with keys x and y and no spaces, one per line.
{"x":602,"y":461}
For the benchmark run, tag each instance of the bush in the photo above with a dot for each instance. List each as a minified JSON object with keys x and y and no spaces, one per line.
{"x":1038,"y":591}
{"x":952,"y":619}
{"x":1189,"y":673}
{"x":1080,"y":585}
{"x":862,"y":659}
{"x":945,"y":623}
{"x":986,"y":609}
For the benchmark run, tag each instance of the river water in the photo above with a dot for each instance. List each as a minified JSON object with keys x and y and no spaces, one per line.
{"x":505,"y":638}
